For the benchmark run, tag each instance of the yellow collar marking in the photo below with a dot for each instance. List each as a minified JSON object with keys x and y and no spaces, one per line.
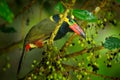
{"x":51,"y":18}
{"x":32,"y":45}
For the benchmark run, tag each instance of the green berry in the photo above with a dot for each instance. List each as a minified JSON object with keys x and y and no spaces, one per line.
{"x":8,"y":65}
{"x":32,"y":66}
{"x":4,"y":69}
{"x":35,"y":77}
{"x":65,"y":59}
{"x":47,"y":62}
{"x":50,"y":67}
{"x":34,"y":61}
{"x":58,"y":62}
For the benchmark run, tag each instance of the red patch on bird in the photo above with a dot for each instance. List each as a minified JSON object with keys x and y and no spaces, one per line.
{"x":39,"y":43}
{"x":27,"y":47}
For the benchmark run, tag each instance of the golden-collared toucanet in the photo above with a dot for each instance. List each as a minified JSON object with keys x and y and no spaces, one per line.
{"x":41,"y":32}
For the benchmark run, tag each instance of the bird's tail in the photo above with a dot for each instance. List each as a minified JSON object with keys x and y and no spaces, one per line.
{"x":20,"y":61}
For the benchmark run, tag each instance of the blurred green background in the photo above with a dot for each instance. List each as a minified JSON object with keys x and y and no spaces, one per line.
{"x":18,"y":16}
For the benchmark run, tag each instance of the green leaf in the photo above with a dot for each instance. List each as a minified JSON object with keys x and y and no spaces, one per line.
{"x":112,"y":43}
{"x":59,"y":7}
{"x":5,"y":12}
{"x":84,"y":15}
{"x":7,"y":29}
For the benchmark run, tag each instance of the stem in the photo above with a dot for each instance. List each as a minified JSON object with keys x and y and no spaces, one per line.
{"x":69,"y":67}
{"x":82,"y":52}
{"x":67,"y":43}
{"x":11,"y":46}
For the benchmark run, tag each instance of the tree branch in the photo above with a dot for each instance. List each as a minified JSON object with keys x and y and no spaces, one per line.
{"x":72,"y":55}
{"x":9,"y":47}
{"x":70,"y":67}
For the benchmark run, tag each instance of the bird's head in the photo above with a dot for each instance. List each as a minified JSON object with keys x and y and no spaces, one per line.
{"x":71,"y":22}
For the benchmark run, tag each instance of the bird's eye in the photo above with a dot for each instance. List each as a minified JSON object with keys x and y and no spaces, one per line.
{"x":71,"y":21}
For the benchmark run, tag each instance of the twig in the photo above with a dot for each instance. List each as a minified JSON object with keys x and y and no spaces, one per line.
{"x":26,"y":8}
{"x":86,"y":4}
{"x":103,"y":3}
{"x":72,"y":55}
{"x":9,"y":47}
{"x":68,"y":4}
{"x":70,"y":67}
{"x":67,"y":44}
{"x":101,"y":6}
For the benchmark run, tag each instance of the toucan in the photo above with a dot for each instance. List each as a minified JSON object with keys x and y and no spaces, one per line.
{"x":41,"y":32}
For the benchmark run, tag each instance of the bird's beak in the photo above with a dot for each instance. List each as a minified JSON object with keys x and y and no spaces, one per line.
{"x":77,"y":29}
